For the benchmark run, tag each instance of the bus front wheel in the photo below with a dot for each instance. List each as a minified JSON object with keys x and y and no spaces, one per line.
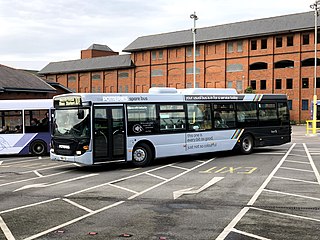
{"x":246,"y":144}
{"x":38,"y":148}
{"x":142,"y":155}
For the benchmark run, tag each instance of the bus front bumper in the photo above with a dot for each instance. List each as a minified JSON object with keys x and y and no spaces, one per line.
{"x":85,"y":158}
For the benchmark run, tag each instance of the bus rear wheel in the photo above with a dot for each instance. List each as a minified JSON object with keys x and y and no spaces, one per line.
{"x":142,"y":155}
{"x":246,"y":144}
{"x":38,"y":148}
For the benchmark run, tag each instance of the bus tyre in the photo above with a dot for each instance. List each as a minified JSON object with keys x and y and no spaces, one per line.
{"x":142,"y":155}
{"x":38,"y":148}
{"x":246,"y":144}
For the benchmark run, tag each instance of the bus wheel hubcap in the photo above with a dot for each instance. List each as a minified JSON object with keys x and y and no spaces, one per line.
{"x":139,"y":155}
{"x":246,"y":144}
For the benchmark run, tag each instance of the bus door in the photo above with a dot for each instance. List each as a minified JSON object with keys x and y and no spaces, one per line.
{"x":108,"y":133}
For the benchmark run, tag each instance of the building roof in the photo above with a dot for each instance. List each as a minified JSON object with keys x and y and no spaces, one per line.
{"x":100,"y":47}
{"x":245,"y":29}
{"x":18,"y":80}
{"x":88,"y":64}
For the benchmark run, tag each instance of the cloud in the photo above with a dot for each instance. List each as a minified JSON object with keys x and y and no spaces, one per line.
{"x":46,"y":30}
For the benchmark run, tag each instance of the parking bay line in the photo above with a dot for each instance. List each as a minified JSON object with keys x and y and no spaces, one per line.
{"x":29,"y":179}
{"x":6,"y":230}
{"x":73,"y":221}
{"x":117,"y":203}
{"x":244,"y":210}
{"x":312,"y":163}
{"x":291,"y":194}
{"x":249,"y":234}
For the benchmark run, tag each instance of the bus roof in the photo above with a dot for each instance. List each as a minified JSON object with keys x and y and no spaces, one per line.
{"x":168,"y":95}
{"x":26,"y":104}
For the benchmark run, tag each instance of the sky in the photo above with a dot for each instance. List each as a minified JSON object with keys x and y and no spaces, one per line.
{"x":36,"y":32}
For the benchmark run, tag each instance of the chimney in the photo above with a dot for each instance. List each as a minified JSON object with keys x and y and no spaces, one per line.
{"x":97,"y":50}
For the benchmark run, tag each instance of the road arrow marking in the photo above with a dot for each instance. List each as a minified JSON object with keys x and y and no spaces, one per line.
{"x":179,"y":193}
{"x":39,"y":185}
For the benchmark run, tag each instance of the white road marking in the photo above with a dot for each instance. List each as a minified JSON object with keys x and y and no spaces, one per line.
{"x":156,"y":176}
{"x":30,"y":205}
{"x":37,"y":173}
{"x":1,"y":162}
{"x":6,"y":230}
{"x":243,"y":211}
{"x":291,"y":194}
{"x":78,"y":205}
{"x":296,"y":180}
{"x":286,"y":214}
{"x":297,"y":162}
{"x":179,"y":193}
{"x":73,"y":221}
{"x":169,"y":180}
{"x":297,"y":169}
{"x":123,"y":188}
{"x":249,"y":234}
{"x":56,"y":183}
{"x":316,"y":172}
{"x":29,"y":179}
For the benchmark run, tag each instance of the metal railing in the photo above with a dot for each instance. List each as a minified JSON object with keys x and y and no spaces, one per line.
{"x":311,"y":127}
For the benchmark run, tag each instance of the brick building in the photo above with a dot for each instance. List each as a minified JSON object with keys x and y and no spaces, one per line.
{"x":272,"y":55}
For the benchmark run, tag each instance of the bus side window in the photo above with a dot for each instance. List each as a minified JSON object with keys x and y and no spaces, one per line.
{"x":36,"y":121}
{"x":10,"y":121}
{"x":199,"y":117}
{"x":224,"y":115}
{"x":172,"y":117}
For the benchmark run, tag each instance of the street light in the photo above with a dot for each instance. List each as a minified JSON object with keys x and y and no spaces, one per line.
{"x":315,"y":6}
{"x":195,"y":18}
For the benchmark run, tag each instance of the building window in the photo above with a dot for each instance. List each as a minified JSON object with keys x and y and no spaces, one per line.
{"x":305,"y":104}
{"x":234,"y":68}
{"x":190,"y":51}
{"x":154,"y":55}
{"x":263,"y":84}
{"x":230,"y":47}
{"x":289,"y":41}
{"x":71,"y":78}
{"x":253,"y":84}
{"x":160,"y":54}
{"x":278,"y":83}
{"x":305,"y":82}
{"x":305,"y":39}
{"x":264,"y":43}
{"x":229,"y":84}
{"x":156,"y":73}
{"x":289,"y":83}
{"x":96,"y":77}
{"x":190,"y":70}
{"x":258,"y":66}
{"x":278,"y":42}
{"x":290,"y":104}
{"x":123,"y":75}
{"x":239,"y":46}
{"x":253,"y":44}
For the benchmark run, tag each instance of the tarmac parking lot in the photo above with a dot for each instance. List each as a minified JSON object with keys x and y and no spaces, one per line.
{"x":271,"y":194}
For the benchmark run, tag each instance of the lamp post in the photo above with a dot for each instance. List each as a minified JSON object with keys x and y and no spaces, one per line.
{"x":195,"y":18}
{"x":315,"y":6}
